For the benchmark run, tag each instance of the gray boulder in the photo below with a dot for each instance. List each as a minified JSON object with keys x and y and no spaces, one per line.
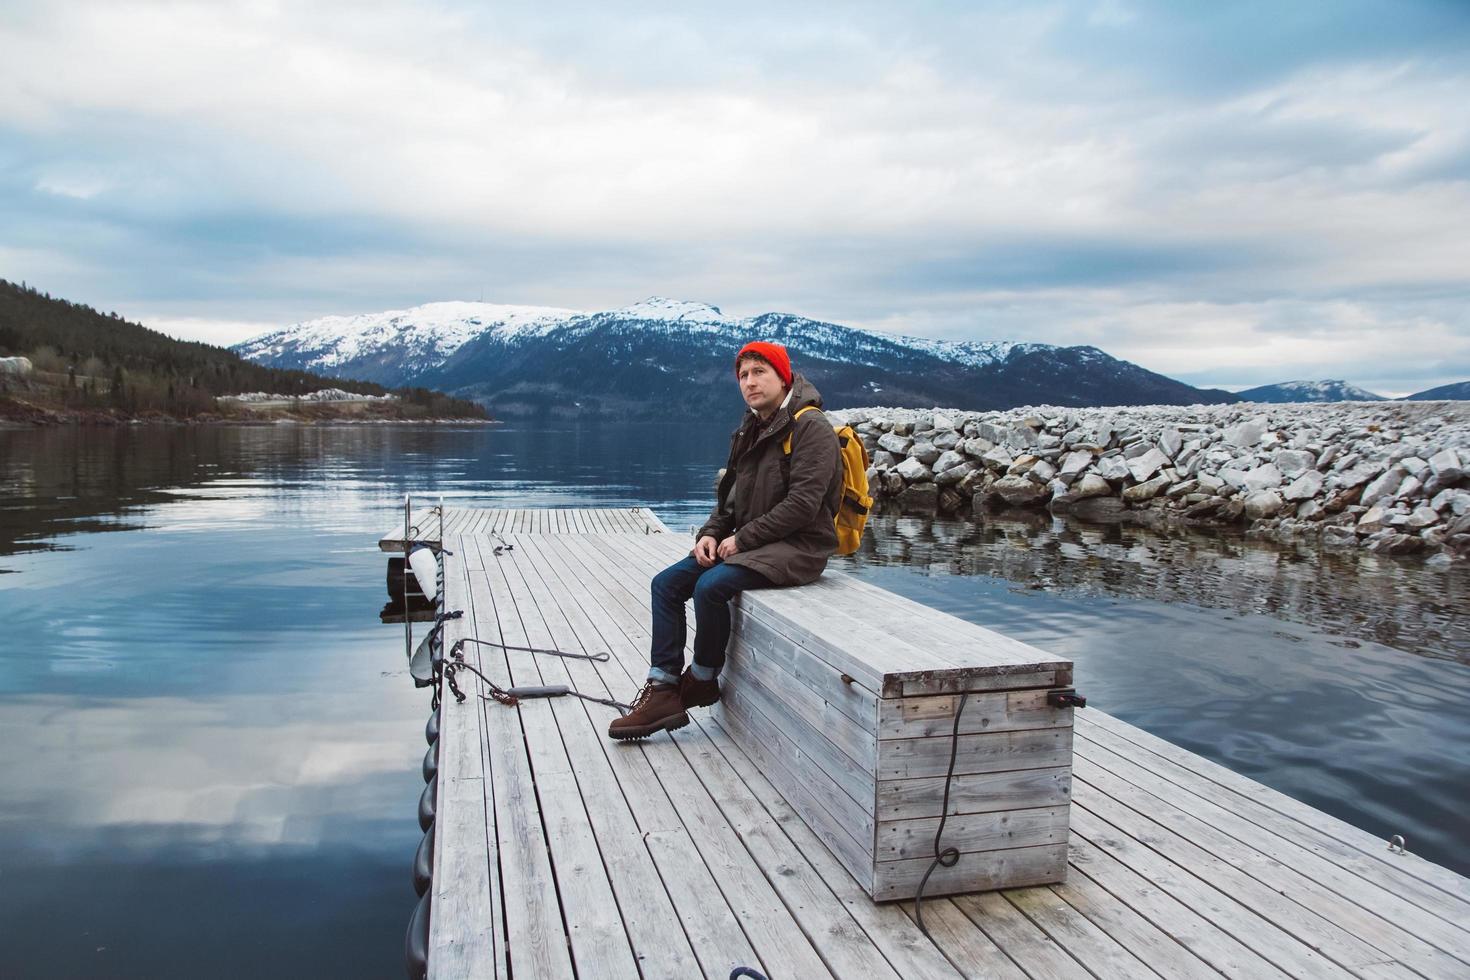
{"x":1447,"y":465}
{"x":1075,"y":462}
{"x":914,"y":470}
{"x":1091,"y":485}
{"x":955,"y":474}
{"x":1147,"y":465}
{"x":1384,"y":486}
{"x":1146,"y":491}
{"x":1294,"y":462}
{"x":1309,"y":484}
{"x":1263,"y":503}
{"x":896,"y":444}
{"x":1112,"y":468}
{"x":1018,"y":491}
{"x":948,"y":439}
{"x":1170,"y":442}
{"x":1247,"y":434}
{"x":925,"y":452}
{"x":945,"y":461}
{"x":1266,"y":477}
{"x":997,"y":459}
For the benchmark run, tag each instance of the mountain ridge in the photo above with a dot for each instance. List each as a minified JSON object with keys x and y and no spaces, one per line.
{"x":663,"y":354}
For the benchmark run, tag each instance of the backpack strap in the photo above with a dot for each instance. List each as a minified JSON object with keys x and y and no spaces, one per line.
{"x":786,"y":443}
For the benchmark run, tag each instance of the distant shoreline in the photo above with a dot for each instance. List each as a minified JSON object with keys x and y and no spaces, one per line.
{"x":17,"y":415}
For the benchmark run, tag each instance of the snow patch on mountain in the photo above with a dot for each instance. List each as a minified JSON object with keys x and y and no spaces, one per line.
{"x":1309,"y":391}
{"x":424,"y":335}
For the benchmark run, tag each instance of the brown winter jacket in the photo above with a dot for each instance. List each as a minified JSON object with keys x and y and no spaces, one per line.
{"x":781,"y":508}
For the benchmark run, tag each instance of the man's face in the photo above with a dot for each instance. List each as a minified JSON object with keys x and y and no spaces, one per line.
{"x":761,"y":385}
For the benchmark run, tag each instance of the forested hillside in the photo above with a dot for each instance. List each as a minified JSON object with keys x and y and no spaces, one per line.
{"x":88,"y":360}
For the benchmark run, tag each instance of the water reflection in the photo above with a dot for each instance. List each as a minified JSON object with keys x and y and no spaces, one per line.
{"x":1294,"y":671}
{"x":1395,"y":602}
{"x":212,"y":747}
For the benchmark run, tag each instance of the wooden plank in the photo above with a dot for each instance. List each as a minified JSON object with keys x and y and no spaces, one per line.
{"x":1377,"y":892}
{"x":1426,"y":885}
{"x":1081,"y":938}
{"x":600,"y":944}
{"x":843,"y":945}
{"x":968,"y":949}
{"x":1019,"y":938}
{"x":975,"y":793}
{"x":464,"y":937}
{"x":745,"y":692}
{"x":755,"y":651}
{"x":652,"y":521}
{"x":960,"y":642}
{"x":712,"y":929}
{"x":978,"y":871}
{"x":830,"y":815}
{"x":867,"y":653}
{"x":710,"y":924}
{"x":908,"y":758}
{"x":858,"y":704}
{"x":767,"y":924}
{"x":968,"y":832}
{"x":535,"y":932}
{"x":1155,"y":947}
{"x":1256,"y":929}
{"x":890,"y":930}
{"x":1410,"y":864}
{"x":995,"y":711}
{"x":1280,"y":895}
{"x":1183,"y":924}
{"x":1367,"y":912}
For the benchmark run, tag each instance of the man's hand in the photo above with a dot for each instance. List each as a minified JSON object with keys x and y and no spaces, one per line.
{"x":704,"y":550}
{"x":728,"y":547}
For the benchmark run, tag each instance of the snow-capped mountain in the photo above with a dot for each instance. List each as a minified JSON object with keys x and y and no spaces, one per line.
{"x":1459,"y":391}
{"x":395,"y":346}
{"x":1309,"y":391}
{"x":665,"y":358}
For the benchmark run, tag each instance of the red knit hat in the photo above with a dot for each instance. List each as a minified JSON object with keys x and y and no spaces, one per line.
{"x":773,"y":354}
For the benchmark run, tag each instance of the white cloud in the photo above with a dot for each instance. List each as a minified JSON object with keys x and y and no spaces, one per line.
{"x":771,"y":161}
{"x":221,"y":333}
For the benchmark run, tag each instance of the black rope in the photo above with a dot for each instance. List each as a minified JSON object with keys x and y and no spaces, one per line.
{"x":506,"y":696}
{"x":455,"y":651}
{"x":950,"y":856}
{"x":745,"y":971}
{"x":502,"y":546}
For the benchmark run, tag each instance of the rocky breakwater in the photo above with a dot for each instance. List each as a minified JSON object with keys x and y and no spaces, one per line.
{"x":1391,"y":477}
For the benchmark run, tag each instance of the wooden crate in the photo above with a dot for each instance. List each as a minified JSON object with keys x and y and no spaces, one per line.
{"x":846,"y":695}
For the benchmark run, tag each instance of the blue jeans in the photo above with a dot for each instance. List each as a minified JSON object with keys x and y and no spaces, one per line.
{"x":712,"y":589}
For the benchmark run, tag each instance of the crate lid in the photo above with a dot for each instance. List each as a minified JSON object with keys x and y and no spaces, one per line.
{"x":896,"y":647}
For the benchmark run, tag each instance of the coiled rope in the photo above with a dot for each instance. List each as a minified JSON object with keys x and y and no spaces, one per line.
{"x":950,"y":856}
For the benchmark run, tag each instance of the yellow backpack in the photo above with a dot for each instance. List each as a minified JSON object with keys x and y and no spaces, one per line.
{"x":852,"y":510}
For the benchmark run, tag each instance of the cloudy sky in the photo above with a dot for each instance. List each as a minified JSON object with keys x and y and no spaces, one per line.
{"x":1230,"y":193}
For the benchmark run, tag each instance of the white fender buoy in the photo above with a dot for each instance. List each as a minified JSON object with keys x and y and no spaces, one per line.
{"x":421,"y":664}
{"x":426,"y":570}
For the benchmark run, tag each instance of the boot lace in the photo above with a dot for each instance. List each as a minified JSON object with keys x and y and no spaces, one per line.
{"x":642,"y":697}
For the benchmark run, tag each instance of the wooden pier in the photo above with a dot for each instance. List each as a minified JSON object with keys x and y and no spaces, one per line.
{"x":558,"y":853}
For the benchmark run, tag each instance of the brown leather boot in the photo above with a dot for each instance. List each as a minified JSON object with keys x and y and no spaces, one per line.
{"x":696,"y":693}
{"x":656,"y":708}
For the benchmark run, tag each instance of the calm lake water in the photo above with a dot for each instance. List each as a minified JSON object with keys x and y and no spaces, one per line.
{"x":212,"y":746}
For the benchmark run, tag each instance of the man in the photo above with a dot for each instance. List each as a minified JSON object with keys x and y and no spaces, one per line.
{"x":772,"y":525}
